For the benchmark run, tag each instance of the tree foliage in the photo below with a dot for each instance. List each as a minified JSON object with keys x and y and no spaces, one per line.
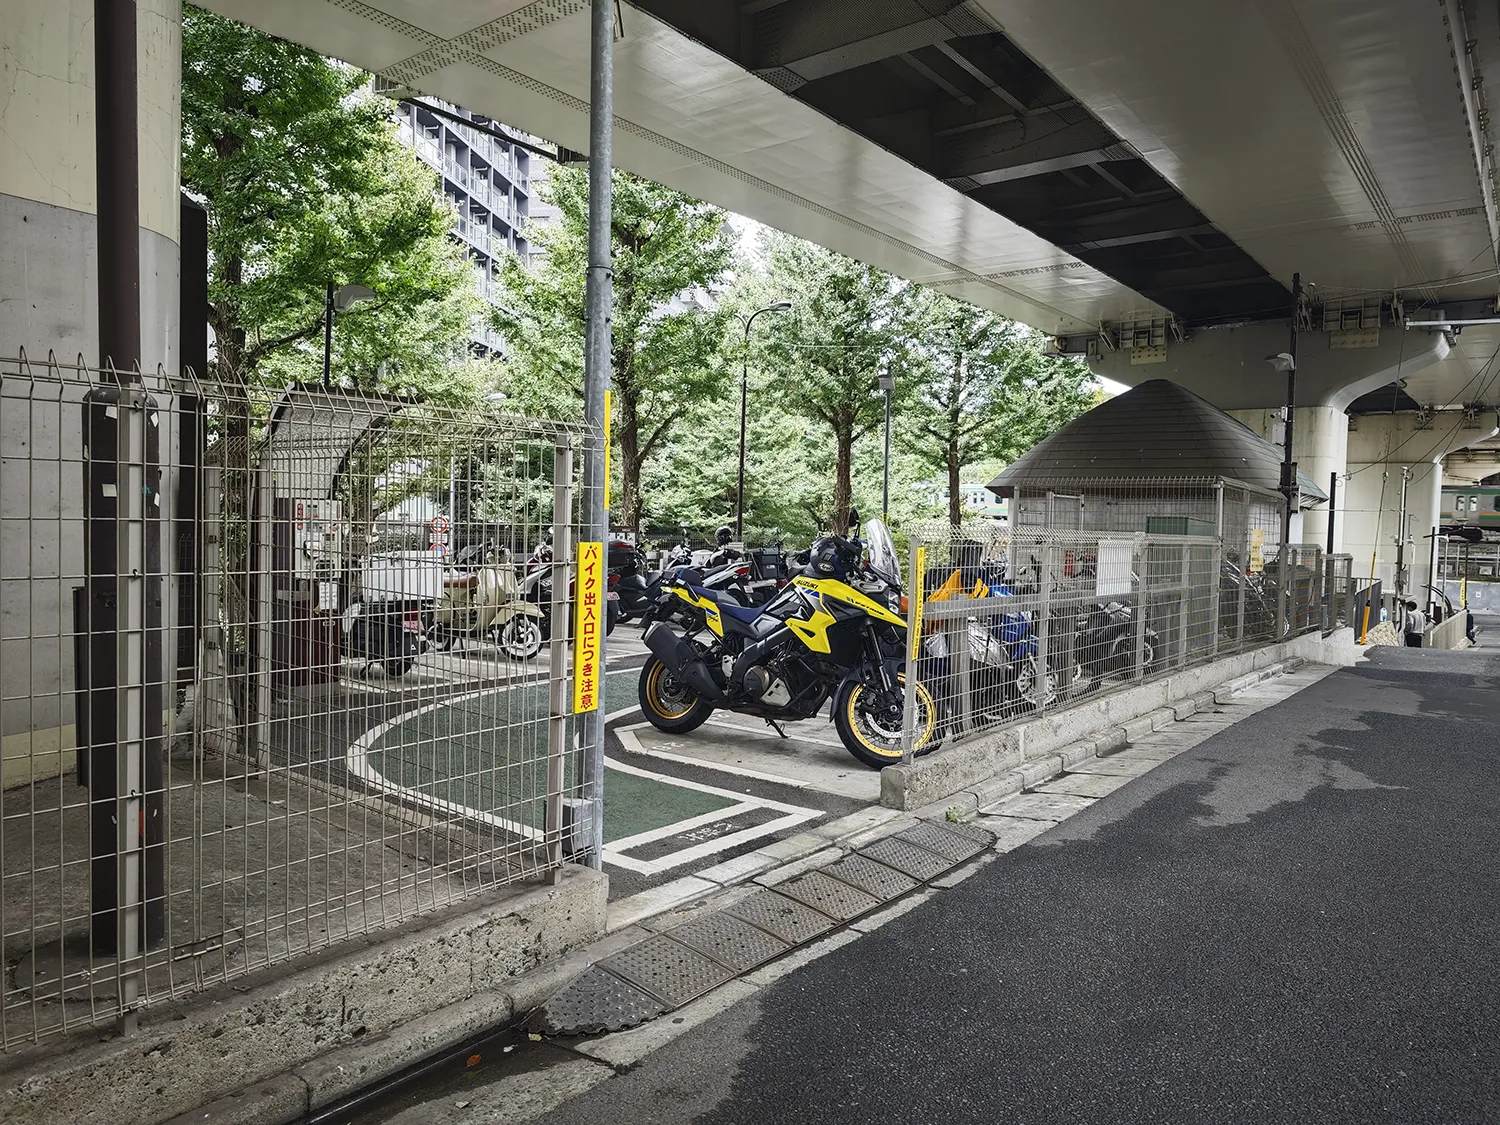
{"x":983,"y":389}
{"x":666,"y":357}
{"x":848,"y":324}
{"x":305,"y":183}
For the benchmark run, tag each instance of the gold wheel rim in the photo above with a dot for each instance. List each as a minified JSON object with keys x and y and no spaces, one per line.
{"x":924,"y":706}
{"x":654,"y":695}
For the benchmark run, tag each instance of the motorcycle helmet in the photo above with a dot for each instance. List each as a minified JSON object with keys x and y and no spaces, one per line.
{"x":723,"y":536}
{"x":823,"y":559}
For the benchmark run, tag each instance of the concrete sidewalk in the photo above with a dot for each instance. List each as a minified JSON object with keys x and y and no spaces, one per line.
{"x":1291,"y":922}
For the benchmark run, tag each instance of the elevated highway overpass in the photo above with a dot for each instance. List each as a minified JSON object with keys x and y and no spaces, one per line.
{"x":1139,"y":179}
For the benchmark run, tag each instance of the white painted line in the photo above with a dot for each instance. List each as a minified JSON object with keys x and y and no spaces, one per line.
{"x":792,"y":734}
{"x":704,"y":850}
{"x":738,"y":771}
{"x":683,"y":783}
{"x":651,"y":835}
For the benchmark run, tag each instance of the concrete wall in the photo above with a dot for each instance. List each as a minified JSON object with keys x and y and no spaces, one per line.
{"x":49,"y":302}
{"x":1320,"y":440}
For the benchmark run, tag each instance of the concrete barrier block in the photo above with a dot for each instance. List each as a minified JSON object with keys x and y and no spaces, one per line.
{"x":1205,"y":701}
{"x":1043,"y":769}
{"x":277,"y":1018}
{"x":954,"y":769}
{"x":283,"y":1098}
{"x":1110,"y":740}
{"x":999,"y":787}
{"x":1077,"y":752}
{"x":1184,"y":709}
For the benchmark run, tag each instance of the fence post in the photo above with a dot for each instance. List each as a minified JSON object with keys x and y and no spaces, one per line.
{"x":1216,"y":561}
{"x":1043,"y":612}
{"x":1184,"y":578}
{"x":265,"y":507}
{"x":560,"y":699}
{"x":914,"y":592}
{"x":1244,"y":583}
{"x":1141,"y":609}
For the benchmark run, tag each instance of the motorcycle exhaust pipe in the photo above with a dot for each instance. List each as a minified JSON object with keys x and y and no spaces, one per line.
{"x":682,"y":660}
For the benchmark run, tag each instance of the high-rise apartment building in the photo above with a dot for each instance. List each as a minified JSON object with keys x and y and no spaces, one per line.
{"x":489,"y":182}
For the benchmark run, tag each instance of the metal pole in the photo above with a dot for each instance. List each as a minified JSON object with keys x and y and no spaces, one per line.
{"x":328,"y":337}
{"x":1288,"y":464}
{"x":599,"y":297}
{"x":1400,"y":582}
{"x":1333,"y":494}
{"x":885,"y":483}
{"x":122,"y":659}
{"x":739,"y":493}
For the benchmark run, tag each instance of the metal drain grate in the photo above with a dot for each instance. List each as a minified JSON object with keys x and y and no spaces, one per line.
{"x":595,"y":1002}
{"x":668,"y":970}
{"x":982,"y":836}
{"x":950,"y":845}
{"x":827,"y":895}
{"x":787,"y":918}
{"x":871,"y":877}
{"x":917,"y":862}
{"x":729,"y":941}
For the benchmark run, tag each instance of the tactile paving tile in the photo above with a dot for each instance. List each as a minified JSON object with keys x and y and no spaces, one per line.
{"x":787,"y":918}
{"x":950,"y":845}
{"x":595,"y":1002}
{"x":827,"y":895}
{"x":917,"y":862}
{"x":667,"y":969}
{"x":729,"y":941}
{"x":871,"y":877}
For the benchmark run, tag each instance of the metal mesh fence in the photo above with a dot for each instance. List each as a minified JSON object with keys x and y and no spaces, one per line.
{"x":1099,"y":586}
{"x":277,"y":668}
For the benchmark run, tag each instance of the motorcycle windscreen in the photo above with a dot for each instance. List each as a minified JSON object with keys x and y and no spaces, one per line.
{"x":882,"y":550}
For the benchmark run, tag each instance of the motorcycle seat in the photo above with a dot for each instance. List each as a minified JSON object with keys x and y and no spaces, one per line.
{"x":461,"y":582}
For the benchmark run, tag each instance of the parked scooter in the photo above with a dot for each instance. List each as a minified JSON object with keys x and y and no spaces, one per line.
{"x":486,"y":604}
{"x":387,"y":633}
{"x":536,"y":588}
{"x":1104,"y":645}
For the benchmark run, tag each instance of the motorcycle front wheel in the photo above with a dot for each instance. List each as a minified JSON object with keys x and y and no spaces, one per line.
{"x":668,"y":703}
{"x":869,"y":720}
{"x":521,"y":637}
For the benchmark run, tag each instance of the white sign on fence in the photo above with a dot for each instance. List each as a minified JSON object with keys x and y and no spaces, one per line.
{"x":1112,"y":578}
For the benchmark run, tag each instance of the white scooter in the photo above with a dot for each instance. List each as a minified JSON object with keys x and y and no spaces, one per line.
{"x":486,"y":604}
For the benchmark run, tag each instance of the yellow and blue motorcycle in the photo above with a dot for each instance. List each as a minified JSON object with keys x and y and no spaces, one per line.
{"x":835,"y":631}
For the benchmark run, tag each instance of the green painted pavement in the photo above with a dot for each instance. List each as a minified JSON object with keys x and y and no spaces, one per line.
{"x":489,"y":753}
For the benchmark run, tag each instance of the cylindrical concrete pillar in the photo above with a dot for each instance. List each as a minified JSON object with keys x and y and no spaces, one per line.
{"x":1320,"y":445}
{"x":48,"y":195}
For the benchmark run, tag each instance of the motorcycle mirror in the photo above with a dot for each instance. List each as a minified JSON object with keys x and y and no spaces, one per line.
{"x":853,"y":519}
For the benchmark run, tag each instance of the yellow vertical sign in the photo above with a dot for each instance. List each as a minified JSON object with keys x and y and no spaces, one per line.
{"x":607,"y":397}
{"x":917,"y":586}
{"x":588,"y":627}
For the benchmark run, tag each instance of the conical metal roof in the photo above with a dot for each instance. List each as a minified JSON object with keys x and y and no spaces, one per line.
{"x":1156,"y":430}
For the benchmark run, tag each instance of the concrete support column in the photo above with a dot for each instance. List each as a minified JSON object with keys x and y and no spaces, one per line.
{"x":1381,"y":447}
{"x":48,"y":262}
{"x":1320,"y":442}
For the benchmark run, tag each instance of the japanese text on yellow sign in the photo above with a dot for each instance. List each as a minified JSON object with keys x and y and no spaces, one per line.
{"x":916,"y":592}
{"x":1257,"y":547}
{"x":588,"y":628}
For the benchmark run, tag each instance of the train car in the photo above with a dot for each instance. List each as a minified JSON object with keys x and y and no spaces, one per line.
{"x":1472,"y":505}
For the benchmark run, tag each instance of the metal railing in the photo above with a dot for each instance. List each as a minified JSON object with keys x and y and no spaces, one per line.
{"x":270,"y":677}
{"x":1015,"y":623}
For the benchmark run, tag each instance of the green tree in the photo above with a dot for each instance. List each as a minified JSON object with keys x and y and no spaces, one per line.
{"x":666,"y":358}
{"x":305,"y":183}
{"x":984,"y":389}
{"x":849,"y":323}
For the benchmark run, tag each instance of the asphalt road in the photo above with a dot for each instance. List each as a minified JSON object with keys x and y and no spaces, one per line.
{"x":1294,"y":922}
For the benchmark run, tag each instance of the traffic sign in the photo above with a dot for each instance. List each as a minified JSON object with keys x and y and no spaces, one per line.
{"x":439,"y":524}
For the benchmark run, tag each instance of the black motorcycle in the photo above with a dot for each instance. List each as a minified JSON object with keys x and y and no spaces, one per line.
{"x":387,"y":633}
{"x":1104,"y":646}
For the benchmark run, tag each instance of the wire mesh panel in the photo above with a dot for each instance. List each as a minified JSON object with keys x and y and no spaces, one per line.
{"x":277,"y":667}
{"x":1098,"y":585}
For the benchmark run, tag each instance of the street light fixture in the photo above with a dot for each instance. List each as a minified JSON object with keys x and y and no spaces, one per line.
{"x":888,"y":385}
{"x":341,"y":300}
{"x":739,"y":505}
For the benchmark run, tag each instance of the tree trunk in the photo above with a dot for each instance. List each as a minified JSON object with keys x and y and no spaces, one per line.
{"x":955,"y":501}
{"x":843,"y":491}
{"x":630,"y":460}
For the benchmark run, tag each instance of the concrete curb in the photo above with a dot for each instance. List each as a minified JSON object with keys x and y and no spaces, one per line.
{"x":956,"y":770}
{"x":279,"y":1024}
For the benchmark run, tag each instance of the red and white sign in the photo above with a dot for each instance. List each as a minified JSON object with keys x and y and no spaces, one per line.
{"x":439,"y":525}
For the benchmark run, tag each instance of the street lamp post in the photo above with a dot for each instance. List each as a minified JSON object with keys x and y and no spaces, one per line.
{"x":739,"y":503}
{"x":1287,"y":361}
{"x":341,"y":300}
{"x":887,"y":384}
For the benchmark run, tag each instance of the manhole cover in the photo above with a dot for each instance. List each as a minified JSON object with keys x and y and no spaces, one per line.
{"x":729,"y":941}
{"x":595,"y":1002}
{"x":668,"y":970}
{"x":787,"y":918}
{"x":981,"y":836}
{"x":827,"y":895}
{"x":917,"y":862}
{"x":950,"y":845}
{"x":874,"y":878}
